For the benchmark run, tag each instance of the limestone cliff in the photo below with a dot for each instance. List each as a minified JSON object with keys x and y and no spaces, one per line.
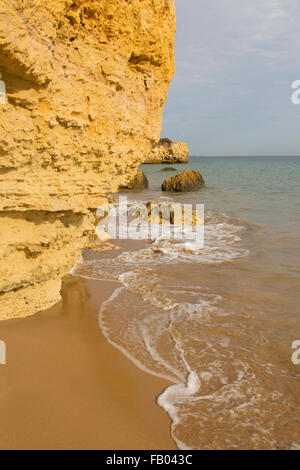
{"x":167,"y":151}
{"x":86,"y":82}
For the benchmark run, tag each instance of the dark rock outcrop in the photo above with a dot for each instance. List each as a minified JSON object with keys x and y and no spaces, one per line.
{"x":138,"y":183}
{"x":169,"y":168}
{"x":189,"y":180}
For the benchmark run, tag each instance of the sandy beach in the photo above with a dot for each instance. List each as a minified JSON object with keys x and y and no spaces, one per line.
{"x":149,"y":225}
{"x":65,"y":387}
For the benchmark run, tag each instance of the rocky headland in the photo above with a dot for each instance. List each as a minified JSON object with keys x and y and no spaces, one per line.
{"x":167,"y":151}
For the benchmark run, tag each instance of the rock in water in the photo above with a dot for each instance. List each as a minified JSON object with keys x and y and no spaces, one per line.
{"x":189,"y":180}
{"x":166,"y":151}
{"x":138,"y":183}
{"x":169,"y":168}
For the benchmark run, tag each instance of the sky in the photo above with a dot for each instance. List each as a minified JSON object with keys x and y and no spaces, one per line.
{"x":235,"y":64}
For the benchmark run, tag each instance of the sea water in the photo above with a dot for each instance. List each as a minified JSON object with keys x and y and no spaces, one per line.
{"x":218,"y":321}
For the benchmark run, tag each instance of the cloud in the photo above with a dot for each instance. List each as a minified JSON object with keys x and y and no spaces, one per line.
{"x":237,"y":57}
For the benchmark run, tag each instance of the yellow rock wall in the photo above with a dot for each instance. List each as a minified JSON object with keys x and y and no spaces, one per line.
{"x":86,"y":82}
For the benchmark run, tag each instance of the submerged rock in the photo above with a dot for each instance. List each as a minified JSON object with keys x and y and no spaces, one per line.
{"x":169,"y":168}
{"x":189,"y":180}
{"x":172,"y":213}
{"x":167,"y":151}
{"x":138,"y":183}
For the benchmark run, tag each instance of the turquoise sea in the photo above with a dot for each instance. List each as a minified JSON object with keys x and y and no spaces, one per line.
{"x":218,"y":321}
{"x":261,"y":189}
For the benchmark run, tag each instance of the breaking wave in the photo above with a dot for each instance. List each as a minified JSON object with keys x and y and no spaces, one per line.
{"x":226,"y":391}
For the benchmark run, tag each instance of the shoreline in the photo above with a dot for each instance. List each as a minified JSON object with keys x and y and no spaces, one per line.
{"x":66,"y":387}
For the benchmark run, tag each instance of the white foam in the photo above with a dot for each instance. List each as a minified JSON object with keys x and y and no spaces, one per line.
{"x":132,"y":270}
{"x":121,"y":348}
{"x":179,"y":393}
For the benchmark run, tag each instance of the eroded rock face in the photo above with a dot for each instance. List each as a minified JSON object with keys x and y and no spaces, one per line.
{"x":189,"y":180}
{"x":138,"y":183}
{"x":166,"y":151}
{"x":86,"y":82}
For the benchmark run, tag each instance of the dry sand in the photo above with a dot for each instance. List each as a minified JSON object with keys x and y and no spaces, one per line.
{"x":65,"y":387}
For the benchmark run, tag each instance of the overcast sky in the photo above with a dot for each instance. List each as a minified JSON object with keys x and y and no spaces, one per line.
{"x":235,"y":64}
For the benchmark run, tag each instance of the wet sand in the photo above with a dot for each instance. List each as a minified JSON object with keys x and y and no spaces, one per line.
{"x":65,"y":387}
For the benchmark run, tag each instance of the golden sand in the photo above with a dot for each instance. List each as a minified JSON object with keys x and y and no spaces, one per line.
{"x":65,"y":387}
